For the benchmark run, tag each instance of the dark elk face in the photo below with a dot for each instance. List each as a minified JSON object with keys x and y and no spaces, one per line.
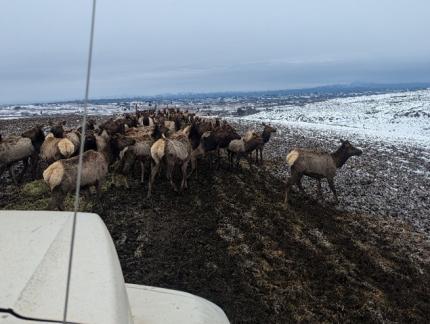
{"x":234,"y":135}
{"x":120,"y":141}
{"x":349,"y":149}
{"x":58,"y":130}
{"x":36,"y":134}
{"x":269,"y":128}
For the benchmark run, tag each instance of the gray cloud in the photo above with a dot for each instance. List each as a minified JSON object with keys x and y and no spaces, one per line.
{"x":151,"y":47}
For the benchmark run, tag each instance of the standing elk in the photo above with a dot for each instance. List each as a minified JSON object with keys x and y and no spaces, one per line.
{"x":61,"y":176}
{"x":54,"y":148}
{"x":21,"y":148}
{"x":214,"y":140}
{"x":243,"y":147}
{"x":265,"y":135}
{"x":318,"y":165}
{"x":175,"y":150}
{"x":144,"y":138}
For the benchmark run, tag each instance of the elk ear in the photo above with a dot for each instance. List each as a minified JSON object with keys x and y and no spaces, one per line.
{"x":342,"y":141}
{"x":264,"y":124}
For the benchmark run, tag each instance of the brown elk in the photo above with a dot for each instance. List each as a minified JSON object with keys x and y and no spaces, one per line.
{"x":61,"y":176}
{"x":265,"y":135}
{"x":243,"y":148}
{"x":144,"y":138}
{"x":318,"y":165}
{"x":213,"y":141}
{"x":21,"y":148}
{"x":175,"y":150}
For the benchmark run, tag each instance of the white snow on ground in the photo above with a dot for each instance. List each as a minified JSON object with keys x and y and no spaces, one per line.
{"x":395,"y":117}
{"x":402,"y":116}
{"x":22,"y":111}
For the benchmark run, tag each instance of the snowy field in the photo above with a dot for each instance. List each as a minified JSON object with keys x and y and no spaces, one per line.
{"x":57,"y":109}
{"x":394,"y":117}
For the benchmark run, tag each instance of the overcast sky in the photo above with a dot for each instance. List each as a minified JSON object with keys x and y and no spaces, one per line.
{"x":146,"y":47}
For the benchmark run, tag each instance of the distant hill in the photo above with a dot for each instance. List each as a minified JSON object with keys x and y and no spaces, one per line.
{"x":329,"y":90}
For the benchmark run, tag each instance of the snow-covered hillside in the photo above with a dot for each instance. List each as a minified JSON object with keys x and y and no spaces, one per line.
{"x":396,"y":116}
{"x":403,"y":116}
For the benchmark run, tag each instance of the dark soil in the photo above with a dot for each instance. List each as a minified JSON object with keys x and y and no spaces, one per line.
{"x":230,"y":239}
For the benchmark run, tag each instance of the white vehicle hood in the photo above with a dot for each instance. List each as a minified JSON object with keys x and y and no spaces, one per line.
{"x":34,"y":255}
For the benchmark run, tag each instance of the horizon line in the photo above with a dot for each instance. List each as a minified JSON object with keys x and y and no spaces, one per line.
{"x":183,"y":95}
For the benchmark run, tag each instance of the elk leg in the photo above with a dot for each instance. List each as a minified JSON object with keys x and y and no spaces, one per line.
{"x":12,"y":174}
{"x":333,"y":189}
{"x":21,"y":175}
{"x":261,"y":156}
{"x":142,"y":171}
{"x":34,"y":159}
{"x":232,"y":157}
{"x":290,"y":182}
{"x":287,"y":190}
{"x":193,"y":166}
{"x":249,"y":158}
{"x":154,"y":170}
{"x":184,"y":184}
{"x":299,"y":183}
{"x":238,"y":160}
{"x":194,"y":155}
{"x":319,"y":188}
{"x":218,"y":153}
{"x":169,"y":174}
{"x":2,"y":169}
{"x":99,"y":188}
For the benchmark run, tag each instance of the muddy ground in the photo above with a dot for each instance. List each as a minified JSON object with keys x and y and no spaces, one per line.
{"x":229,"y":239}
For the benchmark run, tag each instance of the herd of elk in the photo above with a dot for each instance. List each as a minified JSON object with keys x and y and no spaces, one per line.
{"x":163,"y":139}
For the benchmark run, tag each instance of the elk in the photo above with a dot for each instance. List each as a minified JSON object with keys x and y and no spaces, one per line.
{"x":243,"y":147}
{"x":174,"y":150}
{"x":318,"y":165}
{"x":196,"y":132}
{"x":54,"y":148}
{"x":58,"y":129}
{"x":141,"y":150}
{"x":61,"y":176}
{"x":211,"y":141}
{"x":265,"y":135}
{"x":146,"y":120}
{"x":37,"y":137}
{"x":20,"y":148}
{"x":114,"y":126}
